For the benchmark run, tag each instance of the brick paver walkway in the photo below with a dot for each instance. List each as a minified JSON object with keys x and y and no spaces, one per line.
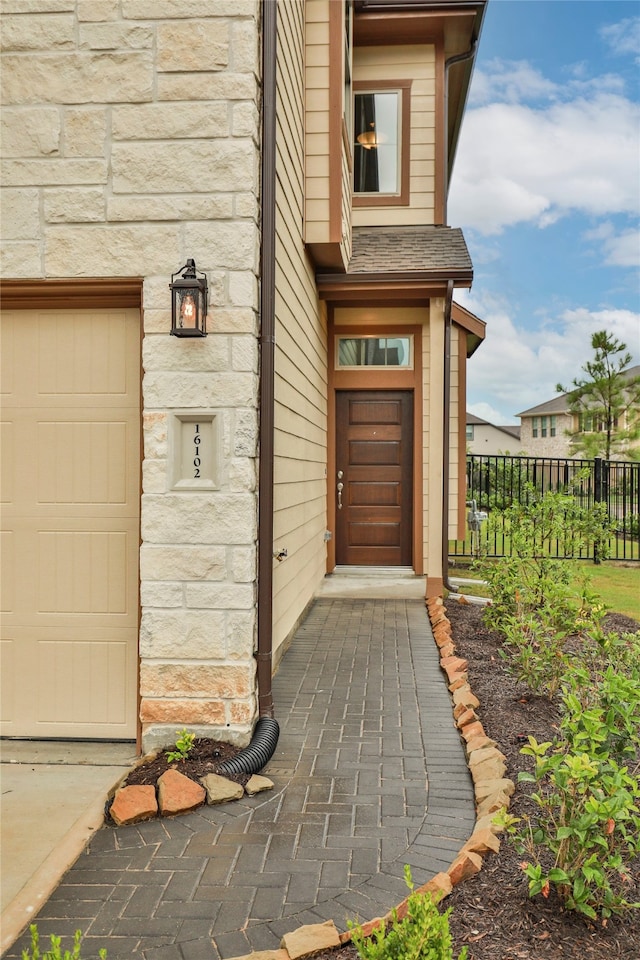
{"x":369,"y":775}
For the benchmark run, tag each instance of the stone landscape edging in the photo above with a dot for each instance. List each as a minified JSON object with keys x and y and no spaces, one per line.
{"x":174,"y":794}
{"x":492,"y":791}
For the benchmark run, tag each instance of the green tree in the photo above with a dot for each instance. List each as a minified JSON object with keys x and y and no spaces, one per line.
{"x":606,"y":401}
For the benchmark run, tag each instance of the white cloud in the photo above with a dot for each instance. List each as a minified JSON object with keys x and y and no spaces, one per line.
{"x":517,"y":368}
{"x":517,"y":163}
{"x":509,"y":81}
{"x":517,"y":81}
{"x":623,"y":250}
{"x":623,"y":37}
{"x":486,"y":412}
{"x":618,"y":249}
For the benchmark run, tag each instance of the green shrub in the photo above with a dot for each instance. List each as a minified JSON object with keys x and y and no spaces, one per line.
{"x":538,"y":603}
{"x":55,"y":953}
{"x":601,"y":650}
{"x":586,"y":828}
{"x":183,"y":746}
{"x":423,"y":934}
{"x":603,"y":712}
{"x":534,"y":652}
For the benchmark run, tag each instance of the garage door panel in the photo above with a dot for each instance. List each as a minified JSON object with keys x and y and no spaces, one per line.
{"x":71,"y":449}
{"x":79,"y":682}
{"x":8,"y":365}
{"x":82,"y":462}
{"x":65,"y":569}
{"x":7,"y":681}
{"x":82,"y":572}
{"x":7,"y":572}
{"x":98,"y":366}
{"x":6,"y":465}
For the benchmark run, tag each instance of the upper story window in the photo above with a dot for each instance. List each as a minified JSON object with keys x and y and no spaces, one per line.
{"x":381,"y":138}
{"x":470,"y":431}
{"x":544,"y":427}
{"x":595,"y":423}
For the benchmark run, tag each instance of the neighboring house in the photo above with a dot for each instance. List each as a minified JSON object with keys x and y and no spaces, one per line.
{"x":545,"y":429}
{"x":486,"y":438}
{"x":172,"y":504}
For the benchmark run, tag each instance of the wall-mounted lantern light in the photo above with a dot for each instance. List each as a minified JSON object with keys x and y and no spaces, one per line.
{"x":189,"y":301}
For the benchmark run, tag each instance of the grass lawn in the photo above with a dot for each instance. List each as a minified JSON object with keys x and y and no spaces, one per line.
{"x":617,"y":583}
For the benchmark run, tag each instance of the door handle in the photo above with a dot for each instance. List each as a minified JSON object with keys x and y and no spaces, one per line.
{"x":340,"y":488}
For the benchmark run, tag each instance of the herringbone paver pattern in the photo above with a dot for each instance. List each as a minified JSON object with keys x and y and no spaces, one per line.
{"x":370,"y":774}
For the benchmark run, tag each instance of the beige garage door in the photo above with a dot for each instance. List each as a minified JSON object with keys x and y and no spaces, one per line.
{"x":70,"y":522}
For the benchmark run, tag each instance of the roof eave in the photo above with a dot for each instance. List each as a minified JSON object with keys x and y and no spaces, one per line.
{"x":414,"y":284}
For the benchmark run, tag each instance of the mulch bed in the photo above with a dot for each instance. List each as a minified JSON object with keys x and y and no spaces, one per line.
{"x":204,"y":758}
{"x":492,"y":913}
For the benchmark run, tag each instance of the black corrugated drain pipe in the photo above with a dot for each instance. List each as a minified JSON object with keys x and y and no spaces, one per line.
{"x":262,"y":747}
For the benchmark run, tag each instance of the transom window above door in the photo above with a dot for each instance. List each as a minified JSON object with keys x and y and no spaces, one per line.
{"x":381,"y":143}
{"x":374,"y":352}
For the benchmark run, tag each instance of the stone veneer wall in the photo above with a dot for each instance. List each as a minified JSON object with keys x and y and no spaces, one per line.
{"x":557,"y":446}
{"x":130,"y":138}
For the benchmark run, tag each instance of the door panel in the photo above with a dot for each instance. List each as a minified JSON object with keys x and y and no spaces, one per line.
{"x":70,"y":516}
{"x":374,"y":440}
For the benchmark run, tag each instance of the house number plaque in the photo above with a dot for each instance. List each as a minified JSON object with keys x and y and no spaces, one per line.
{"x":195,"y":451}
{"x":197,"y":460}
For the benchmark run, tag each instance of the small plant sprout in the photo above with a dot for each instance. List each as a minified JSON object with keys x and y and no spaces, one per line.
{"x":183,"y":746}
{"x":55,"y":952}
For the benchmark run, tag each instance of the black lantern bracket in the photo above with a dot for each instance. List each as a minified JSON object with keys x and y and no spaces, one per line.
{"x":189,"y":302}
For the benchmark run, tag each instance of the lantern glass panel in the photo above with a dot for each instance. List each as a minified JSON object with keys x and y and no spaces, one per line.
{"x":188,"y":308}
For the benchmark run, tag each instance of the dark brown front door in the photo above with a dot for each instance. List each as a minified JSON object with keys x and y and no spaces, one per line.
{"x":374,"y":455}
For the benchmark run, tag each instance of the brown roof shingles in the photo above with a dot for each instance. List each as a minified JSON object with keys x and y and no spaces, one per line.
{"x":413,"y":250}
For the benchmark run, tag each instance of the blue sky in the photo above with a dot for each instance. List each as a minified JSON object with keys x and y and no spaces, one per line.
{"x":546,"y":187}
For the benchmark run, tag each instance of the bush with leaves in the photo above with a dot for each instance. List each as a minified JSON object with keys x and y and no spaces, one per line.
{"x":55,"y":953}
{"x":423,"y":934}
{"x":585,"y":831}
{"x":538,"y":602}
{"x":601,"y":650}
{"x":537,"y":640}
{"x":183,"y":746}
{"x":603,"y":712}
{"x":541,"y":527}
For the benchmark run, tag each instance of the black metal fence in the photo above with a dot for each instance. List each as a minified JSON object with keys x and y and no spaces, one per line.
{"x":494,"y":482}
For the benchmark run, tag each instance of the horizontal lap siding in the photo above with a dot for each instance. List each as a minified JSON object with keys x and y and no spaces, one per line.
{"x":300,"y":447}
{"x":416,"y":63}
{"x":316,"y":121}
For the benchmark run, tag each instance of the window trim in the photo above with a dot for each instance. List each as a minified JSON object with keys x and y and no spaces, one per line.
{"x":403,"y":197}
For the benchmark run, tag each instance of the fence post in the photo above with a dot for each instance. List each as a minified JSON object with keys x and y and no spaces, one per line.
{"x":600,"y":492}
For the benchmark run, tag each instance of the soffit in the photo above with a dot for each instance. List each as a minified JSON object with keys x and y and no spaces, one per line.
{"x":474,"y":327}
{"x":386,"y":24}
